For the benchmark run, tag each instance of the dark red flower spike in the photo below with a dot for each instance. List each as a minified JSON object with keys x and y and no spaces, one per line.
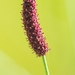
{"x":32,"y":27}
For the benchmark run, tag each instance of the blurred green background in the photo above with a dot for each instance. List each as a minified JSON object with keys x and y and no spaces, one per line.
{"x":57,"y":19}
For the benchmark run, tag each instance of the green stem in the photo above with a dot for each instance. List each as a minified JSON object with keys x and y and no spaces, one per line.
{"x":45,"y":65}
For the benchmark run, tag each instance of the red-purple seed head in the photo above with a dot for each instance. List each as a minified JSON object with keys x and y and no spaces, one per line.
{"x":32,"y":27}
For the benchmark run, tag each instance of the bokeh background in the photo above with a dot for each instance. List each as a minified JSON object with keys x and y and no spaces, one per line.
{"x":57,"y":19}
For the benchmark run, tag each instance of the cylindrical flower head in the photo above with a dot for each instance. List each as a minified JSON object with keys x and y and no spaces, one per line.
{"x":32,"y":27}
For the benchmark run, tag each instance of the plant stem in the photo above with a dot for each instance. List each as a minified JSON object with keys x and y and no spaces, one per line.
{"x":45,"y":65}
